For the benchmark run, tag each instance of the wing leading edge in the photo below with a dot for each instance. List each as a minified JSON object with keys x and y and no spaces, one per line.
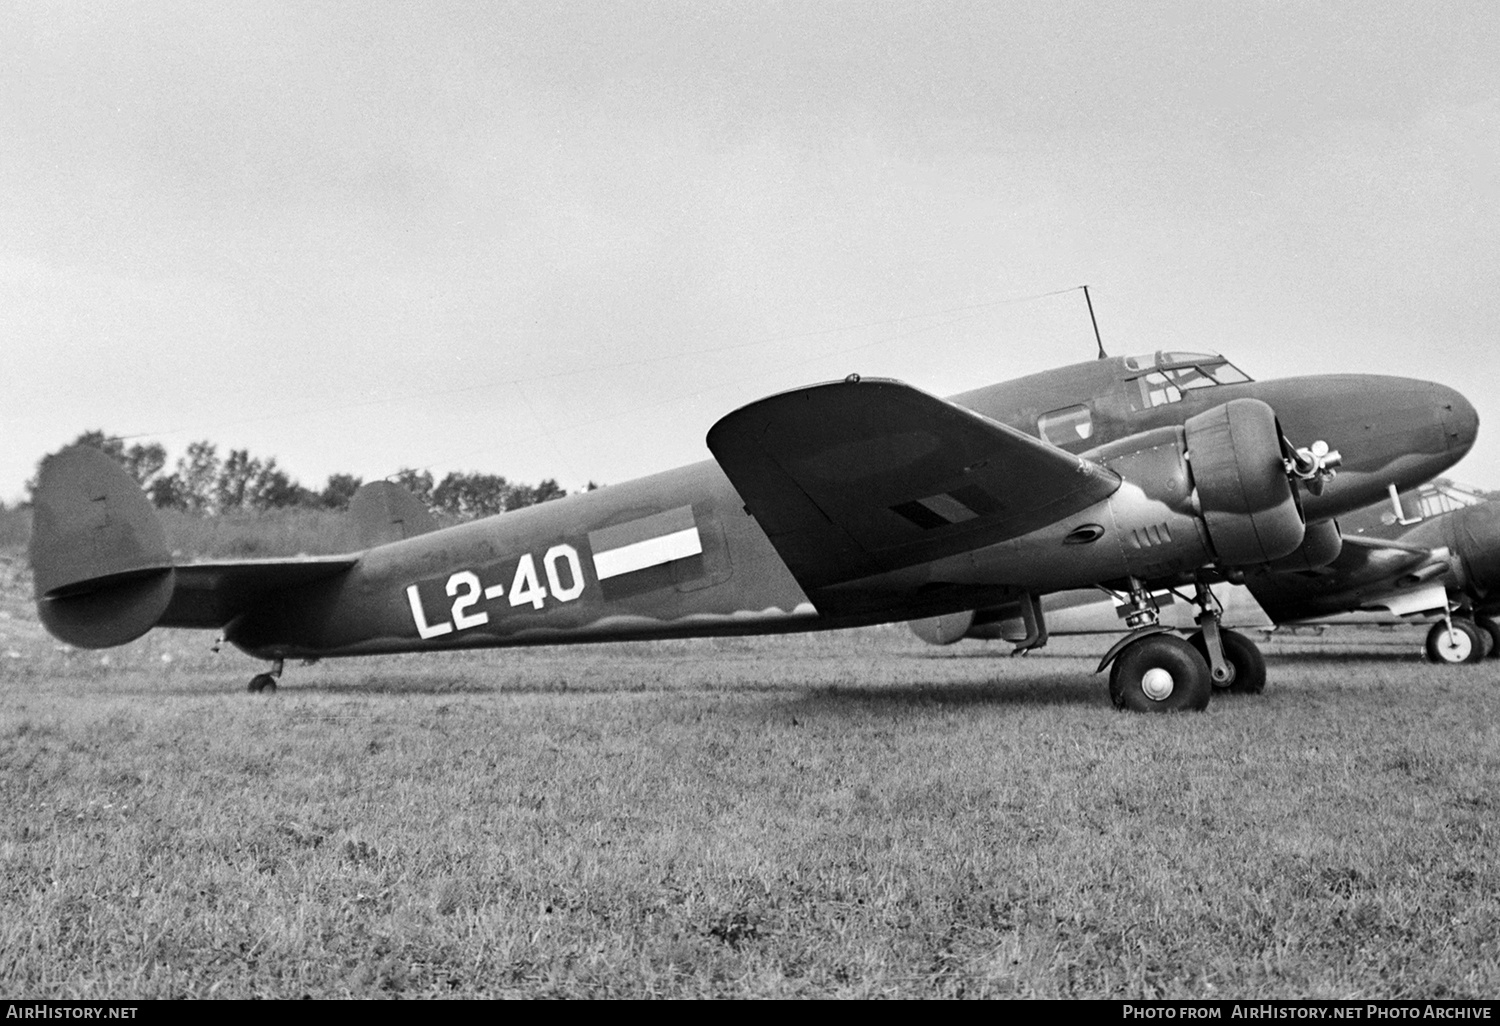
{"x":862,"y":477}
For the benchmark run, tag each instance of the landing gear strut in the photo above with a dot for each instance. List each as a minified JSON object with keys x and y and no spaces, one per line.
{"x":1155,"y":671}
{"x":1235,"y":663}
{"x":265,"y":683}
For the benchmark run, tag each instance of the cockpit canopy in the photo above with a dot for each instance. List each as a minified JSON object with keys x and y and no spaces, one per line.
{"x":1442,"y":496}
{"x":1155,"y":379}
{"x":1162,"y":378}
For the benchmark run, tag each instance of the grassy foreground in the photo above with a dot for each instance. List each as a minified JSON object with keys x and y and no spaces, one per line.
{"x":832,"y":815}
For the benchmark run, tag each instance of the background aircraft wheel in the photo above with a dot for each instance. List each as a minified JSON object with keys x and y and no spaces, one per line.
{"x":1460,"y":645}
{"x":1160,"y":673}
{"x":263,"y":683}
{"x":1486,"y":643}
{"x":1491,"y":628}
{"x":1245,"y":658}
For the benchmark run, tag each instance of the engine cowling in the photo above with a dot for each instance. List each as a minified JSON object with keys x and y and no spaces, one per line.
{"x":1476,"y":539}
{"x":1215,"y":490}
{"x":1247,"y":502}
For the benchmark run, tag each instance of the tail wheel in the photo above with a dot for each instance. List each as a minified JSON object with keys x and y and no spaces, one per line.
{"x":1160,"y":673}
{"x":263,"y":683}
{"x":1460,"y":644}
{"x":1247,"y":664}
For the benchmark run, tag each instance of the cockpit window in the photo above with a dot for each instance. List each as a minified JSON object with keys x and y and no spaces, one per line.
{"x":1444,"y":497}
{"x":1066,"y":426}
{"x":1226,"y":373}
{"x":1162,"y":378}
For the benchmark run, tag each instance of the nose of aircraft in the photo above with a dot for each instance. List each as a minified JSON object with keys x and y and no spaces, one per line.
{"x":1390,"y":430}
{"x":1460,"y":419}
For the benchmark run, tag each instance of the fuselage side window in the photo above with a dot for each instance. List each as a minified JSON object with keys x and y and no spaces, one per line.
{"x":1066,"y":426}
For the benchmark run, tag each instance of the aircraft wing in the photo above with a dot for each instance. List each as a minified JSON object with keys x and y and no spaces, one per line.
{"x":210,"y":594}
{"x":861,"y":477}
{"x":1368,"y":573}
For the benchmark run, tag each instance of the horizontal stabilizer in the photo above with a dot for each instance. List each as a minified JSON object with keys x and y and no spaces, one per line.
{"x":857,"y":478}
{"x":103,"y":573}
{"x":211,"y":593}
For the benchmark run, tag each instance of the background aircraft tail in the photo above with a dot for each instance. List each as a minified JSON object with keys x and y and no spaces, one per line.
{"x":103,"y":574}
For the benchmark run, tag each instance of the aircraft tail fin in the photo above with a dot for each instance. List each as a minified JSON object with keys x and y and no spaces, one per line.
{"x":103,"y":574}
{"x":385,"y":512}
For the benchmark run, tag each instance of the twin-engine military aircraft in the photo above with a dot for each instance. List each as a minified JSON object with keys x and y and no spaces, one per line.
{"x":838,"y":505}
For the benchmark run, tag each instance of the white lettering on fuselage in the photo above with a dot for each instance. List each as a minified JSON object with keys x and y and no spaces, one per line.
{"x":564,"y":577}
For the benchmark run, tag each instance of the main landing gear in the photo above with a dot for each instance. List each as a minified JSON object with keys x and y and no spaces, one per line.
{"x":1458,"y":639}
{"x":1159,"y":672}
{"x":265,"y":683}
{"x":1156,"y":671}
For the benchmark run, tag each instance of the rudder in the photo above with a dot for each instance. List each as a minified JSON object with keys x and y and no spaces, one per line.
{"x":385,"y":512}
{"x":102,"y":571}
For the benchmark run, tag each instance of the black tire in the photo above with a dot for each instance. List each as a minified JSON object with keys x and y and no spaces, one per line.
{"x":263,"y":684}
{"x":1160,"y":673}
{"x":1486,"y":643}
{"x":1491,"y":628}
{"x":1462,"y":645}
{"x":1246,"y":663}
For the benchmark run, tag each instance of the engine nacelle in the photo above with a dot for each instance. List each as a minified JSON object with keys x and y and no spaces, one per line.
{"x":1321,"y":545}
{"x":1213,"y":491}
{"x":944,"y":630}
{"x":1001,"y":623}
{"x":1471,"y":534}
{"x":1246,"y":499}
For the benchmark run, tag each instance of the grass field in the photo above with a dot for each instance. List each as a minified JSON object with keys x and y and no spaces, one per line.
{"x":853,"y":814}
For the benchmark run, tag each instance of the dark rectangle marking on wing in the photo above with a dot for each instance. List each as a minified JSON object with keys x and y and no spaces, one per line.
{"x":977,"y":499}
{"x":920,"y":515}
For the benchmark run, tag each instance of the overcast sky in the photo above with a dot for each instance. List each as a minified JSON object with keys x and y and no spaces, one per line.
{"x":561,"y":239}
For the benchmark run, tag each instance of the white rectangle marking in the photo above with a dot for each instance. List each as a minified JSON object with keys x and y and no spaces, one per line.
{"x":651,"y":552}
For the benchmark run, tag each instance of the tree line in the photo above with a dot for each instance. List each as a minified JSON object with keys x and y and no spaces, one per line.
{"x":204,"y":483}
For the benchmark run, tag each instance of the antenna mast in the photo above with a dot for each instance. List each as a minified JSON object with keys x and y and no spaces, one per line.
{"x":1092,"y":321}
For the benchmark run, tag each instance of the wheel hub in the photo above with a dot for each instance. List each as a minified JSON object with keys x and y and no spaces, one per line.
{"x":1157,"y":684}
{"x":1454,"y":646}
